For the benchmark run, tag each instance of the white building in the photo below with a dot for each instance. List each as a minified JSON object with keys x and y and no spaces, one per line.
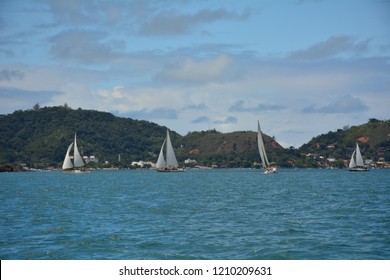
{"x":90,"y":159}
{"x":141,"y":163}
{"x":190,"y":161}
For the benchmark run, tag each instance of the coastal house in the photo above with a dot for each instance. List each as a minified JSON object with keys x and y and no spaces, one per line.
{"x":142,"y":164}
{"x":88,"y":159}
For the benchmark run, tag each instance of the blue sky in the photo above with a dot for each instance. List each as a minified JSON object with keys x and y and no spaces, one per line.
{"x":301,"y":68}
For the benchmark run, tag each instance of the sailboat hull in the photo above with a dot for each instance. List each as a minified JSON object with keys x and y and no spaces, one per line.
{"x":270,"y":170}
{"x":76,"y":171}
{"x":170,"y":170}
{"x":358,"y":169}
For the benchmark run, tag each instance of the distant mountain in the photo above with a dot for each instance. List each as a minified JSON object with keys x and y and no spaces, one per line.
{"x":373,"y":138}
{"x":39,"y":138}
{"x":235,"y":149}
{"x":373,"y":134}
{"x":42,"y":135}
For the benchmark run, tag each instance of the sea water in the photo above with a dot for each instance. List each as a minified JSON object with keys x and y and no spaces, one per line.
{"x":198,"y":214}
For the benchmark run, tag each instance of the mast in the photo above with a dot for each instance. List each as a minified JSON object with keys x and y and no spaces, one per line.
{"x":171,"y":158}
{"x":77,"y":159}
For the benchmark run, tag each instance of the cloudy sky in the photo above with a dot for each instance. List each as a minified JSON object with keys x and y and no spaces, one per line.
{"x":301,"y":68}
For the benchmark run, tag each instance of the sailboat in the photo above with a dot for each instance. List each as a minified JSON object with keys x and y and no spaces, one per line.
{"x":263,"y":155}
{"x":169,"y":163}
{"x":356,"y":163}
{"x":77,"y":166}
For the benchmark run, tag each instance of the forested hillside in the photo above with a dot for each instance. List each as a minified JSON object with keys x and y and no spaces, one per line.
{"x":39,"y":138}
{"x":235,"y":149}
{"x":42,"y":136}
{"x":373,"y":138}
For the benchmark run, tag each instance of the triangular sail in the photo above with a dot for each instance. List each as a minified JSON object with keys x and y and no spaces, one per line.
{"x":161,"y":161}
{"x":171,"y":158}
{"x":359,"y":158}
{"x":260,"y":143}
{"x":77,"y":159}
{"x":265,"y":156}
{"x":67,"y":162}
{"x":352,"y":163}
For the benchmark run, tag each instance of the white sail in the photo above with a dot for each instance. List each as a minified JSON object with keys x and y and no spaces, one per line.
{"x":77,"y":159}
{"x":352,"y":163}
{"x":171,"y":158}
{"x":260,"y":145}
{"x":67,"y":162}
{"x":161,"y":161}
{"x":359,"y":158}
{"x":263,"y":155}
{"x":169,"y":163}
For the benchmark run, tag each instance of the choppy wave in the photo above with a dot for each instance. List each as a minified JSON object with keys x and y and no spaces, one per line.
{"x":208,"y":214}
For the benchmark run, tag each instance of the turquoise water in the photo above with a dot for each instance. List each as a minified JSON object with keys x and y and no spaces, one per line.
{"x":198,"y":214}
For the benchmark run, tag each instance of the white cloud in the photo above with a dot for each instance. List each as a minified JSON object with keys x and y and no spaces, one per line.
{"x":239,"y":107}
{"x":14,"y":98}
{"x":142,"y":100}
{"x":345,"y":105}
{"x":169,"y":22}
{"x":159,"y":113}
{"x":333,"y":46}
{"x":201,"y":119}
{"x":76,"y":95}
{"x":200,"y":106}
{"x":227,"y":120}
{"x":191,"y":71}
{"x":81,"y":46}
{"x":10,"y":74}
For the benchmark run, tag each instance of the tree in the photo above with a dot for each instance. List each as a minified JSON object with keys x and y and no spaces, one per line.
{"x":373,"y":120}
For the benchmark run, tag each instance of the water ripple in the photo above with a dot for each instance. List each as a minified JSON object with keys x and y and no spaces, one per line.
{"x":216,"y":214}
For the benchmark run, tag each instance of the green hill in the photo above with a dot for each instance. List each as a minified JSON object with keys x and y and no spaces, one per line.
{"x":235,"y":149}
{"x":40,"y":137}
{"x":373,"y":138}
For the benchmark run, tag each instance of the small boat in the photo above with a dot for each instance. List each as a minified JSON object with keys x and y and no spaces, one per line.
{"x":268,"y":168}
{"x":169,"y":163}
{"x":77,"y":166}
{"x":356,"y":163}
